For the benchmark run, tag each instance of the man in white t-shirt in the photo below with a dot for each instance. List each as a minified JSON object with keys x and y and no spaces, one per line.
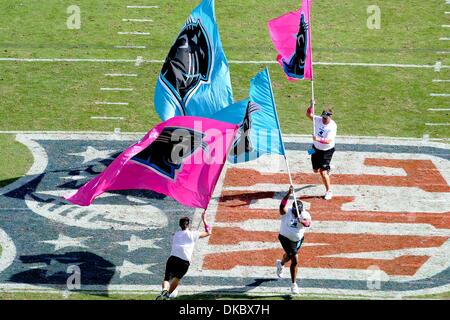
{"x":323,"y":145}
{"x":177,"y":265}
{"x":292,"y":229}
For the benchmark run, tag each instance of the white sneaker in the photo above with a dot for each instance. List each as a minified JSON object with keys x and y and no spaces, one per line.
{"x":174,"y":294}
{"x":279,"y":268}
{"x":328,"y":195}
{"x":294,"y":289}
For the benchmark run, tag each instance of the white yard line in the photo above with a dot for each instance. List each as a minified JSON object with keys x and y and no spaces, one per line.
{"x":137,"y":20}
{"x":66,"y":60}
{"x":443,"y":52}
{"x":349,"y":64}
{"x":130,"y":47}
{"x":107,"y":118}
{"x":440,"y":80}
{"x":444,"y":39}
{"x":111,"y":103}
{"x":439,"y":109}
{"x":439,"y":95}
{"x":116,"y":89}
{"x":437,"y":124}
{"x":135,"y":33}
{"x":121,"y":75}
{"x":446,"y":26}
{"x":142,"y":7}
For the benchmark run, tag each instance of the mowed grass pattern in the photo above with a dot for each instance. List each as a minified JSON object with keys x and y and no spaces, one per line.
{"x":367,"y":101}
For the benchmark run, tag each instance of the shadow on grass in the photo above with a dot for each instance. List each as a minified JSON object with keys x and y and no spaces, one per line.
{"x":4,"y":183}
{"x":238,"y":293}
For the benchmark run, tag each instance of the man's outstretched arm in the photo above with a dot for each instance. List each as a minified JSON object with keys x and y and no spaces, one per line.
{"x":208,"y":230}
{"x":283,"y":209}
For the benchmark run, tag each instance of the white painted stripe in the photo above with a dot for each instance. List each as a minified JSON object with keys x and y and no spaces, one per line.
{"x":439,"y":109}
{"x":446,"y":26}
{"x":111,"y":103}
{"x":8,"y":251}
{"x":121,"y":75}
{"x":439,"y":95}
{"x":263,"y":291}
{"x":137,"y":20}
{"x":130,"y":47}
{"x":439,"y":80}
{"x":444,"y":39}
{"x":343,"y":227}
{"x":137,"y":33}
{"x":437,"y":124}
{"x":392,"y":65}
{"x":101,"y":135}
{"x":107,"y":118}
{"x":142,"y":7}
{"x":66,"y":60}
{"x":116,"y":89}
{"x":349,"y":64}
{"x":443,"y":52}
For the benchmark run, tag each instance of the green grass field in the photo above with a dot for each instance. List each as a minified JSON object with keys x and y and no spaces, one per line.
{"x":38,"y":96}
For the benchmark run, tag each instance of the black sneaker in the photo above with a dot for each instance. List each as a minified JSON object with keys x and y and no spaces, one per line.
{"x":164,"y":295}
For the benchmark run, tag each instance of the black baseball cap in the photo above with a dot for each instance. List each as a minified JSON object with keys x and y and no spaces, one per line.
{"x":327,"y":113}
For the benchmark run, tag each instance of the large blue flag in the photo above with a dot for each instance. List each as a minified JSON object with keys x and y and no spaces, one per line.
{"x":260,"y":131}
{"x":195,"y":77}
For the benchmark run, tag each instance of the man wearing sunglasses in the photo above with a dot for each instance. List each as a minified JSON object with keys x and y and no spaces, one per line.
{"x":323,"y":145}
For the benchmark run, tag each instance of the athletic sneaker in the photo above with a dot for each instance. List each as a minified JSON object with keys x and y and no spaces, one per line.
{"x":279,"y":268}
{"x":294,"y":289}
{"x":328,"y":195}
{"x":174,"y":294}
{"x":164,"y":295}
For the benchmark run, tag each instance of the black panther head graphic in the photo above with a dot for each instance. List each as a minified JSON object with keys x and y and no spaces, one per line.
{"x":296,"y":66}
{"x":243,"y":143}
{"x":166,"y":154}
{"x":188,"y":62}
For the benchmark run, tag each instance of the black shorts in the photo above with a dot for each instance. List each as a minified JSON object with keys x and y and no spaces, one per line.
{"x":290,"y":247}
{"x":176,"y":268}
{"x":321,"y":159}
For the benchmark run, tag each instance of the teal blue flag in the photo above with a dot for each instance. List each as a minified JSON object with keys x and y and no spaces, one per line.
{"x":195,"y":77}
{"x":260,"y":131}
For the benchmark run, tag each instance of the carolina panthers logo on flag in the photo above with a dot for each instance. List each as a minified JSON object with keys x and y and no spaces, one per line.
{"x":166,"y":154}
{"x":188,"y":63}
{"x":296,"y":66}
{"x":243,"y":143}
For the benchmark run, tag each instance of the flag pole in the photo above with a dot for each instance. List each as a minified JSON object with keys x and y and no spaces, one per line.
{"x":312,"y":99}
{"x":312,"y":78}
{"x":282,"y":141}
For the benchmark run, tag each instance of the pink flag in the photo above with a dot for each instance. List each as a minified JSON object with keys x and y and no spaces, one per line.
{"x":291,"y":35}
{"x":181,"y":158}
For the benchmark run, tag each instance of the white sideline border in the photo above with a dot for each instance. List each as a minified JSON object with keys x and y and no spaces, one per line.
{"x":250,"y":291}
{"x":304,"y":138}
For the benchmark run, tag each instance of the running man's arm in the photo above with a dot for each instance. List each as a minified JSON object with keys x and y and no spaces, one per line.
{"x":309,"y":111}
{"x":208,"y":230}
{"x":322,"y":140}
{"x":283,"y":203}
